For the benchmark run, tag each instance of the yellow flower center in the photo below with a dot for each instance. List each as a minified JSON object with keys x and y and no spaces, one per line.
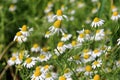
{"x":46,"y":66}
{"x":48,"y":32}
{"x":37,"y":73}
{"x":87,"y":31}
{"x":88,"y":68}
{"x":62,"y":78}
{"x":85,"y":50}
{"x":113,"y":7}
{"x":48,"y":75}
{"x":18,"y":34}
{"x":96,"y":19}
{"x":96,"y":51}
{"x":21,"y":56}
{"x":95,"y":62}
{"x":57,"y":24}
{"x":76,"y":57}
{"x":24,"y":28}
{"x":37,"y":68}
{"x":13,"y":58}
{"x":42,"y":56}
{"x":97,"y":31}
{"x":45,"y":49}
{"x":35,"y":45}
{"x":96,"y":77}
{"x":74,"y":43}
{"x":65,"y":35}
{"x":115,"y":13}
{"x":67,"y":70}
{"x":59,"y":12}
{"x":81,"y":35}
{"x":12,"y":6}
{"x":60,"y":44}
{"x":28,"y":60}
{"x":86,"y":56}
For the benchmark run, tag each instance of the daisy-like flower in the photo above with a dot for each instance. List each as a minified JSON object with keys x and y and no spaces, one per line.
{"x":96,"y":77}
{"x":48,"y":34}
{"x":44,"y":57}
{"x":45,"y":50}
{"x":118,"y":41}
{"x":56,"y":28}
{"x":114,"y":8}
{"x":94,"y":10}
{"x":19,"y":37}
{"x":94,"y":1}
{"x":80,"y":69}
{"x":81,"y":37}
{"x":100,"y":34}
{"x":59,"y":15}
{"x":88,"y":70}
{"x":66,"y":37}
{"x":75,"y":58}
{"x":97,"y":63}
{"x":25,"y":30}
{"x":61,"y":47}
{"x":97,"y":22}
{"x":49,"y":17}
{"x":74,"y":44}
{"x":12,"y":8}
{"x":96,"y":53}
{"x":12,"y":60}
{"x":47,"y":10}
{"x":35,"y":48}
{"x":38,"y":75}
{"x":64,"y":78}
{"x":81,"y":5}
{"x":86,"y":56}
{"x":46,"y":68}
{"x":67,"y":72}
{"x":51,"y":76}
{"x":63,"y":8}
{"x":50,"y":4}
{"x":115,"y":16}
{"x":29,"y":62}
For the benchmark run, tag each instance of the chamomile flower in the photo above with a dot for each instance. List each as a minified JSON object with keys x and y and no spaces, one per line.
{"x":29,"y":62}
{"x":97,"y":22}
{"x":35,"y":48}
{"x":115,"y":16}
{"x":114,"y":8}
{"x":19,"y":37}
{"x":12,"y":8}
{"x":47,"y":10}
{"x":48,"y":34}
{"x":100,"y":34}
{"x":51,"y":76}
{"x":59,"y":15}
{"x":12,"y":60}
{"x":56,"y":28}
{"x":81,"y":37}
{"x":75,"y":58}
{"x":44,"y":57}
{"x":80,"y":69}
{"x":74,"y":44}
{"x":67,"y":72}
{"x":46,"y":68}
{"x":66,"y":37}
{"x":63,"y":8}
{"x":96,"y":53}
{"x":45,"y":50}
{"x":118,"y":41}
{"x":25,"y":30}
{"x":64,"y":78}
{"x":94,"y":10}
{"x":61,"y":47}
{"x":49,"y":17}
{"x":81,"y":5}
{"x":38,"y":75}
{"x":88,"y":70}
{"x":96,"y":63}
{"x":96,"y":77}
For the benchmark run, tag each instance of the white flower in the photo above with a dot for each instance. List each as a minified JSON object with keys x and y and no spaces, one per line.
{"x":114,"y":8}
{"x":46,"y":68}
{"x":97,"y":63}
{"x":94,"y":0}
{"x":66,"y":37}
{"x":118,"y":41}
{"x":94,"y":10}
{"x":115,"y":16}
{"x":67,"y":73}
{"x":49,"y":17}
{"x":44,"y":57}
{"x":81,"y":37}
{"x":47,"y":10}
{"x":48,"y":34}
{"x":88,"y":70}
{"x":26,"y":30}
{"x":117,"y":63}
{"x":12,"y":8}
{"x":12,"y":60}
{"x":35,"y":48}
{"x":81,"y":5}
{"x":56,"y":28}
{"x":19,"y":37}
{"x":97,"y":22}
{"x":75,"y":58}
{"x":96,"y":53}
{"x":51,"y":76}
{"x":64,"y":78}
{"x":29,"y":62}
{"x":100,"y":34}
{"x":59,"y":15}
{"x":61,"y":47}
